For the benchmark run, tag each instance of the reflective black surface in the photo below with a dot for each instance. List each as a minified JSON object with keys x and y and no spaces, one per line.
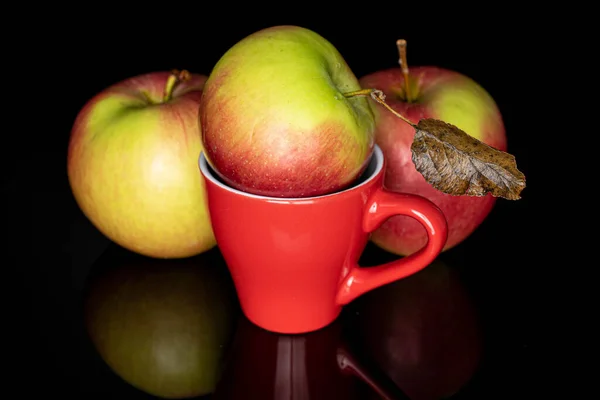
{"x":173,"y":328}
{"x":467,"y":327}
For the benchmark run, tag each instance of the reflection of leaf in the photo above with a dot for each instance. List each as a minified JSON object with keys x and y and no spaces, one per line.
{"x":458,"y":164}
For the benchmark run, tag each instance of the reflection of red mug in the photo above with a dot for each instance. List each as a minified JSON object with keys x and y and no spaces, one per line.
{"x":316,"y":365}
{"x":294,"y":262}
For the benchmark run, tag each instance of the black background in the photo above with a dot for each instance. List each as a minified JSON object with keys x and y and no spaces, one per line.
{"x":80,"y":51}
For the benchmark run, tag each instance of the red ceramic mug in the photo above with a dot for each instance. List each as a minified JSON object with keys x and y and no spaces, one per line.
{"x":294,"y":261}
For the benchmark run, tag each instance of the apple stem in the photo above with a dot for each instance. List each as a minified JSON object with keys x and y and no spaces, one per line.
{"x":379,"y":97}
{"x":173,"y":80}
{"x":401,"y":44}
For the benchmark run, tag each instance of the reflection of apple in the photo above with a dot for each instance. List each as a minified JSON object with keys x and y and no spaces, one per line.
{"x":316,"y":365}
{"x":275,"y":120}
{"x":422,"y":331}
{"x":448,"y":96}
{"x":132,"y":165}
{"x":163,"y":325}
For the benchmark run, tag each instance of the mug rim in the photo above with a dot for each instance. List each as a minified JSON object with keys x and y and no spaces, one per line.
{"x":376,"y":158}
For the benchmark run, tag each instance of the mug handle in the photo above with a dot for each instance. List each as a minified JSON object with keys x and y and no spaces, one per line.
{"x":382,"y":205}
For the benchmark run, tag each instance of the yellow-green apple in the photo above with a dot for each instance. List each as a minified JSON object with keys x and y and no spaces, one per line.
{"x":133,"y":165}
{"x":276,"y":120}
{"x":446,"y":95}
{"x":163,"y":326}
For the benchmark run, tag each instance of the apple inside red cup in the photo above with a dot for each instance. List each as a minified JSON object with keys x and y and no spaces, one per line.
{"x":445,"y":95}
{"x":276,"y":120}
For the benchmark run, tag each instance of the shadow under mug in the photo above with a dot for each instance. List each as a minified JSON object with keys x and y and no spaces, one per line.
{"x":294,"y":261}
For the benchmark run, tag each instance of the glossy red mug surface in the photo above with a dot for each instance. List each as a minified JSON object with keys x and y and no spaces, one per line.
{"x":294,"y":262}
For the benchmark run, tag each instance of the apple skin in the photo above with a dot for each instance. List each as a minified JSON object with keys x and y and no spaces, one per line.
{"x":163,"y":326}
{"x":422,"y":331}
{"x":133,"y":166}
{"x":275,"y":120}
{"x":448,"y":96}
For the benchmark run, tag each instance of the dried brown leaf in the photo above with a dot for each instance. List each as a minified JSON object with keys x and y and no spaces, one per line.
{"x":458,"y":164}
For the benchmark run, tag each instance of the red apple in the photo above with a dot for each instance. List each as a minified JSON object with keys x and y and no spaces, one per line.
{"x":133,"y":165}
{"x":422,"y":331}
{"x":444,"y":95}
